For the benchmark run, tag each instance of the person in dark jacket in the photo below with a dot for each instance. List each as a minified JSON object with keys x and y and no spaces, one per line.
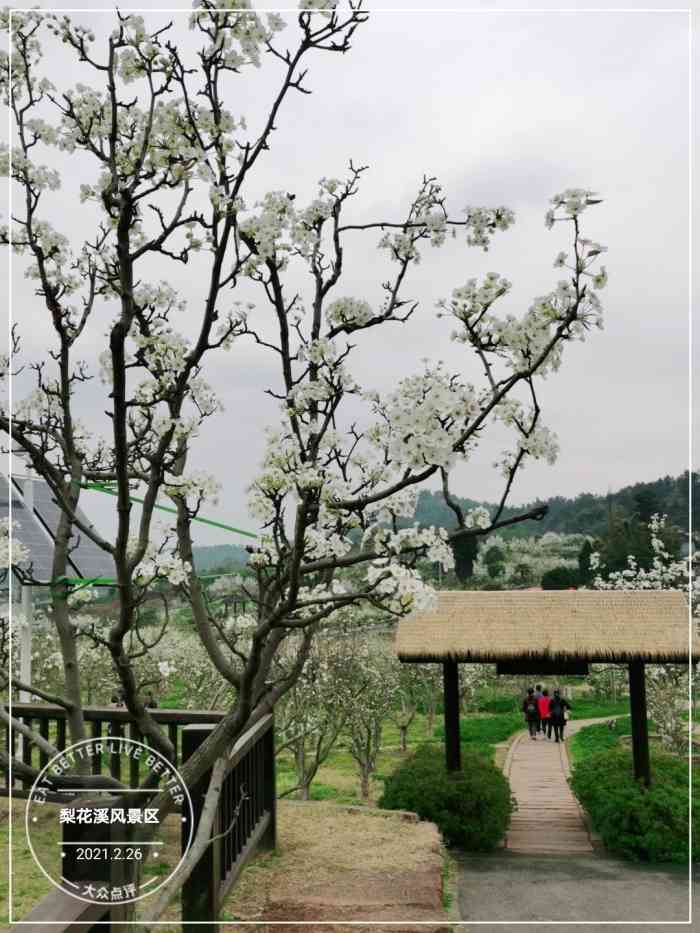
{"x":531,"y":713}
{"x":557,"y":714}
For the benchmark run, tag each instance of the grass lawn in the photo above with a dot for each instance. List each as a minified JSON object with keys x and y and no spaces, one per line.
{"x":29,"y":885}
{"x":338,"y":779}
{"x":598,"y":738}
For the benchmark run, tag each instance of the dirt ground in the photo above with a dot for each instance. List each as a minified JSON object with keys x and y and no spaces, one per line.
{"x":337,"y":863}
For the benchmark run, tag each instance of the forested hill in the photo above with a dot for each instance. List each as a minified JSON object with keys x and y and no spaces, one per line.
{"x":587,"y":513}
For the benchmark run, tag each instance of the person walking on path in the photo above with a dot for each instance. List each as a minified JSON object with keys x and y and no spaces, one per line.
{"x":531,"y":713}
{"x":543,"y":705}
{"x":557,"y":715}
{"x":538,"y":694}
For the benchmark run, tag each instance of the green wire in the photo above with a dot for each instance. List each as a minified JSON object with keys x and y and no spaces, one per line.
{"x":99,"y":487}
{"x":80,"y":582}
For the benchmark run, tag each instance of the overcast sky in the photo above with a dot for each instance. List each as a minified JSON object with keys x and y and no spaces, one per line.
{"x":504,"y":108}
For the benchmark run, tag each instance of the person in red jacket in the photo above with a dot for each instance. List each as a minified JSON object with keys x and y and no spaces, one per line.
{"x":543,"y":705}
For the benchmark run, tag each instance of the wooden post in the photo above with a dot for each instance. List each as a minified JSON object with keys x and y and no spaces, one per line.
{"x":640,"y":732}
{"x":200,"y":893}
{"x":99,"y":871}
{"x":450,"y":676}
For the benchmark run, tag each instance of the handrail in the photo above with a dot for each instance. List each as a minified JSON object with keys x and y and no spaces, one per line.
{"x":244,"y":742}
{"x":64,"y":913}
{"x":117,"y":713}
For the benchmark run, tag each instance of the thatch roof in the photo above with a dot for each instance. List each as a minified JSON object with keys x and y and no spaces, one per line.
{"x":597,"y":626}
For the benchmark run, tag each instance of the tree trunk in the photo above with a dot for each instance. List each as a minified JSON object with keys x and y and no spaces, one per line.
{"x":300,"y":766}
{"x":465,"y":549}
{"x":365,"y":774}
{"x":403,"y":731}
{"x":305,"y":792}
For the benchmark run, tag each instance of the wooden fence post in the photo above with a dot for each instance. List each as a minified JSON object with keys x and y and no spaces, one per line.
{"x":200,"y":893}
{"x":96,"y":871}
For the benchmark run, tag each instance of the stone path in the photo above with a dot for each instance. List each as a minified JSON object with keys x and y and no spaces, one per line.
{"x":548,"y":820}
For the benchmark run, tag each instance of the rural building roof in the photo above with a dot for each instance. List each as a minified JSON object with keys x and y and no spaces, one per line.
{"x":36,"y":530}
{"x":584,"y":624}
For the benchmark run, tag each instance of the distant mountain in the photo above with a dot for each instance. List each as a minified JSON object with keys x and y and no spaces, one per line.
{"x":586,"y":514}
{"x":218,"y":556}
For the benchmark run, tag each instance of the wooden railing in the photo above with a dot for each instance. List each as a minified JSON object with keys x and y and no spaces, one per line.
{"x":102,"y":722}
{"x":245,"y":820}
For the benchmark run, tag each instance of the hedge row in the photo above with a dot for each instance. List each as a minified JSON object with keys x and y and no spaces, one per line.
{"x":638,"y":823}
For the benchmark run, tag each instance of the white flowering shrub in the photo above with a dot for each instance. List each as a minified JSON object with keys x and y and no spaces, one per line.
{"x":12,"y":552}
{"x":526,"y":560}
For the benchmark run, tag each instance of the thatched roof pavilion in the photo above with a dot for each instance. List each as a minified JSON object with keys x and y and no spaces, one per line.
{"x":549,"y":633}
{"x":556,"y":624}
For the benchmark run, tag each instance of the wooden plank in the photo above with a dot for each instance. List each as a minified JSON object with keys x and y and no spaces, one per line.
{"x":536,"y":667}
{"x":96,"y":730}
{"x":199,"y":895}
{"x":44,"y":733}
{"x":58,"y":908}
{"x":548,"y":819}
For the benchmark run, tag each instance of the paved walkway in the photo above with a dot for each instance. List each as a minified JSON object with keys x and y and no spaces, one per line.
{"x":549,"y":820}
{"x":548,"y":871}
{"x":583,"y":893}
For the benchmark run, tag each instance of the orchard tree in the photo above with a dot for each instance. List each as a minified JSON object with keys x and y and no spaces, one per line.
{"x":667,"y":684}
{"x":170,"y":172}
{"x":310,"y":717}
{"x":409,"y":690}
{"x":366,"y":716}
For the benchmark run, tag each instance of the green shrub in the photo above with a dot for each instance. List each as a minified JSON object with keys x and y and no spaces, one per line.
{"x":561,"y":578}
{"x":643,"y":825}
{"x":471,"y":807}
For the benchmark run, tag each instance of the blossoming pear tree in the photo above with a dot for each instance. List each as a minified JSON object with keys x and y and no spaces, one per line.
{"x":170,"y":170}
{"x":371,"y":666}
{"x":311,"y":716}
{"x":667,"y":684}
